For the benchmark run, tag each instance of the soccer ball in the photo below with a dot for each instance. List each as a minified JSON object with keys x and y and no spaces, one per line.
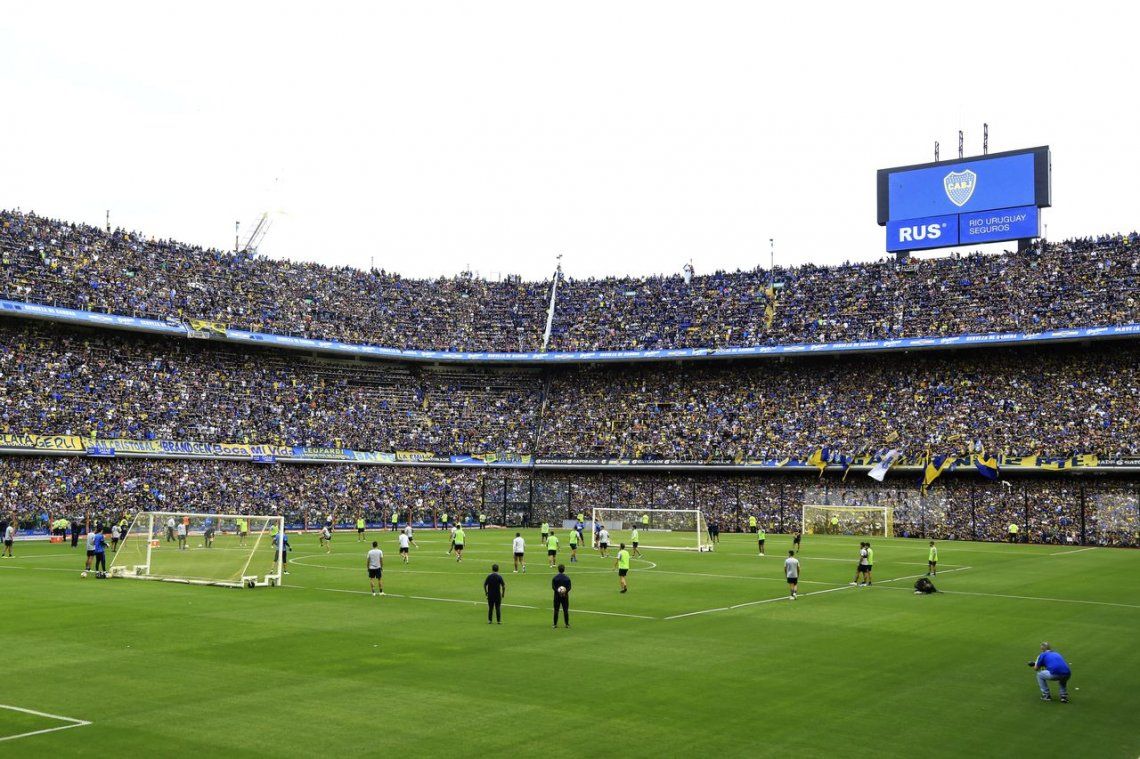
{"x":561,"y":590}
{"x":83,"y":574}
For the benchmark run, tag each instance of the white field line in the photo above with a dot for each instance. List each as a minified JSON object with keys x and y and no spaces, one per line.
{"x":754,"y":603}
{"x":401,"y":568}
{"x":787,"y":598}
{"x":913,"y":577}
{"x":737,"y":577}
{"x":924,"y":564}
{"x":1069,"y":553}
{"x":695,"y":613}
{"x":73,"y":722}
{"x":1033,"y":598}
{"x":466,"y":601}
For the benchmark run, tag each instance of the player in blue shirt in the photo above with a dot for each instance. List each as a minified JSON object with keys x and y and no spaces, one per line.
{"x":281,"y":548}
{"x":99,"y":546}
{"x":1050,"y":665}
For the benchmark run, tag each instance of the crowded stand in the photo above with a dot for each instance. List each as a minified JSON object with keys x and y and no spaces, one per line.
{"x":95,"y":383}
{"x":1087,"y":282}
{"x":1020,"y":402}
{"x":88,"y":491}
{"x":106,"y":384}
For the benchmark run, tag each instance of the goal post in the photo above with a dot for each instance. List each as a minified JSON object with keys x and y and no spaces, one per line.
{"x":848,"y":520}
{"x":670,"y":529}
{"x":231,"y":550}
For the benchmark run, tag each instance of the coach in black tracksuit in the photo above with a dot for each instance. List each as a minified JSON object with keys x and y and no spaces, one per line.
{"x":561,"y":600}
{"x":495,"y":588}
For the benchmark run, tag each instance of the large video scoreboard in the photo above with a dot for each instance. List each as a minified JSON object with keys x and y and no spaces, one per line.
{"x":970,"y":201}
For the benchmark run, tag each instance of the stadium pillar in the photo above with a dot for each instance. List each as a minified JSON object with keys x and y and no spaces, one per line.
{"x":530,"y":496}
{"x":922,"y":515}
{"x":1025,"y":511}
{"x":736,"y":511}
{"x":1082,"y":502}
{"x":973,"y":509}
{"x":781,"y":498}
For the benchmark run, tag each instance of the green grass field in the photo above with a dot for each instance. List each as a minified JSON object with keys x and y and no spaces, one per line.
{"x":669,"y":669}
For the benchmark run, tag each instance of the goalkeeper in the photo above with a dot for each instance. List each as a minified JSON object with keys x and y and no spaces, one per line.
{"x":281,"y":549}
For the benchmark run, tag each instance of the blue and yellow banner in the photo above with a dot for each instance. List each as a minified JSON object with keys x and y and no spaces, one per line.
{"x":71,"y":443}
{"x":935,"y":466}
{"x":987,"y":465}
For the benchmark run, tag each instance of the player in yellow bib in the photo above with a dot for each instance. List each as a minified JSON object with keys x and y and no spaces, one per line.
{"x":573,"y":546}
{"x":552,"y":549}
{"x":622,"y":566}
{"x":460,"y":541}
{"x":932,"y":559}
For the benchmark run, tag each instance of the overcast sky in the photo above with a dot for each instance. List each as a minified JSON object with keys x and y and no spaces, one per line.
{"x":629,"y":136}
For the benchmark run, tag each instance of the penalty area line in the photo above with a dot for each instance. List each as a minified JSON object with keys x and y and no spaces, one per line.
{"x":914,"y":577}
{"x":1069,"y":553}
{"x":72,"y":720}
{"x":755,"y":603}
{"x":464,"y":601}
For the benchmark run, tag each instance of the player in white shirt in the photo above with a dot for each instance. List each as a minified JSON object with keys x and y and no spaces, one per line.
{"x":451,"y":547}
{"x":411,"y":535}
{"x":375,"y":565}
{"x":792,"y":572}
{"x":404,"y":541}
{"x":861,"y":567}
{"x":182,"y":536}
{"x":604,"y":541}
{"x":518,"y":547}
{"x":170,"y":530}
{"x":9,"y":540}
{"x":326,"y":539}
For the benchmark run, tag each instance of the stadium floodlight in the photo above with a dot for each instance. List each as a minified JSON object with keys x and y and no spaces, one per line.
{"x":217,"y":549}
{"x":687,"y":525}
{"x":848,"y":520}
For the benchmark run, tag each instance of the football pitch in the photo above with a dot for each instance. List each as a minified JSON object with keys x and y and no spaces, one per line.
{"x":704,"y":654}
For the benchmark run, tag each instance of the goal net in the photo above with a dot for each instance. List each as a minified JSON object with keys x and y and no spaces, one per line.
{"x":848,"y":520}
{"x":676,"y":529}
{"x":203,"y":549}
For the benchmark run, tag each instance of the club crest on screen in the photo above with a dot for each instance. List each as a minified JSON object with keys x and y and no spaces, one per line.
{"x":960,"y":186}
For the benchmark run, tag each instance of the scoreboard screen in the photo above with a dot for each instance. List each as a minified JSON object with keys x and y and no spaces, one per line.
{"x":991,"y":198}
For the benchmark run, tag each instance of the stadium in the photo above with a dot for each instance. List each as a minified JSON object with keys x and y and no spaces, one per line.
{"x":251,"y":503}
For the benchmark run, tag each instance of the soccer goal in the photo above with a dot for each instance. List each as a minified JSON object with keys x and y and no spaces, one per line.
{"x":670,"y":529}
{"x":848,"y":520}
{"x":232,"y":550}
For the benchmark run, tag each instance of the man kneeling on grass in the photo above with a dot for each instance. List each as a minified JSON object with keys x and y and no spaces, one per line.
{"x":1050,"y":665}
